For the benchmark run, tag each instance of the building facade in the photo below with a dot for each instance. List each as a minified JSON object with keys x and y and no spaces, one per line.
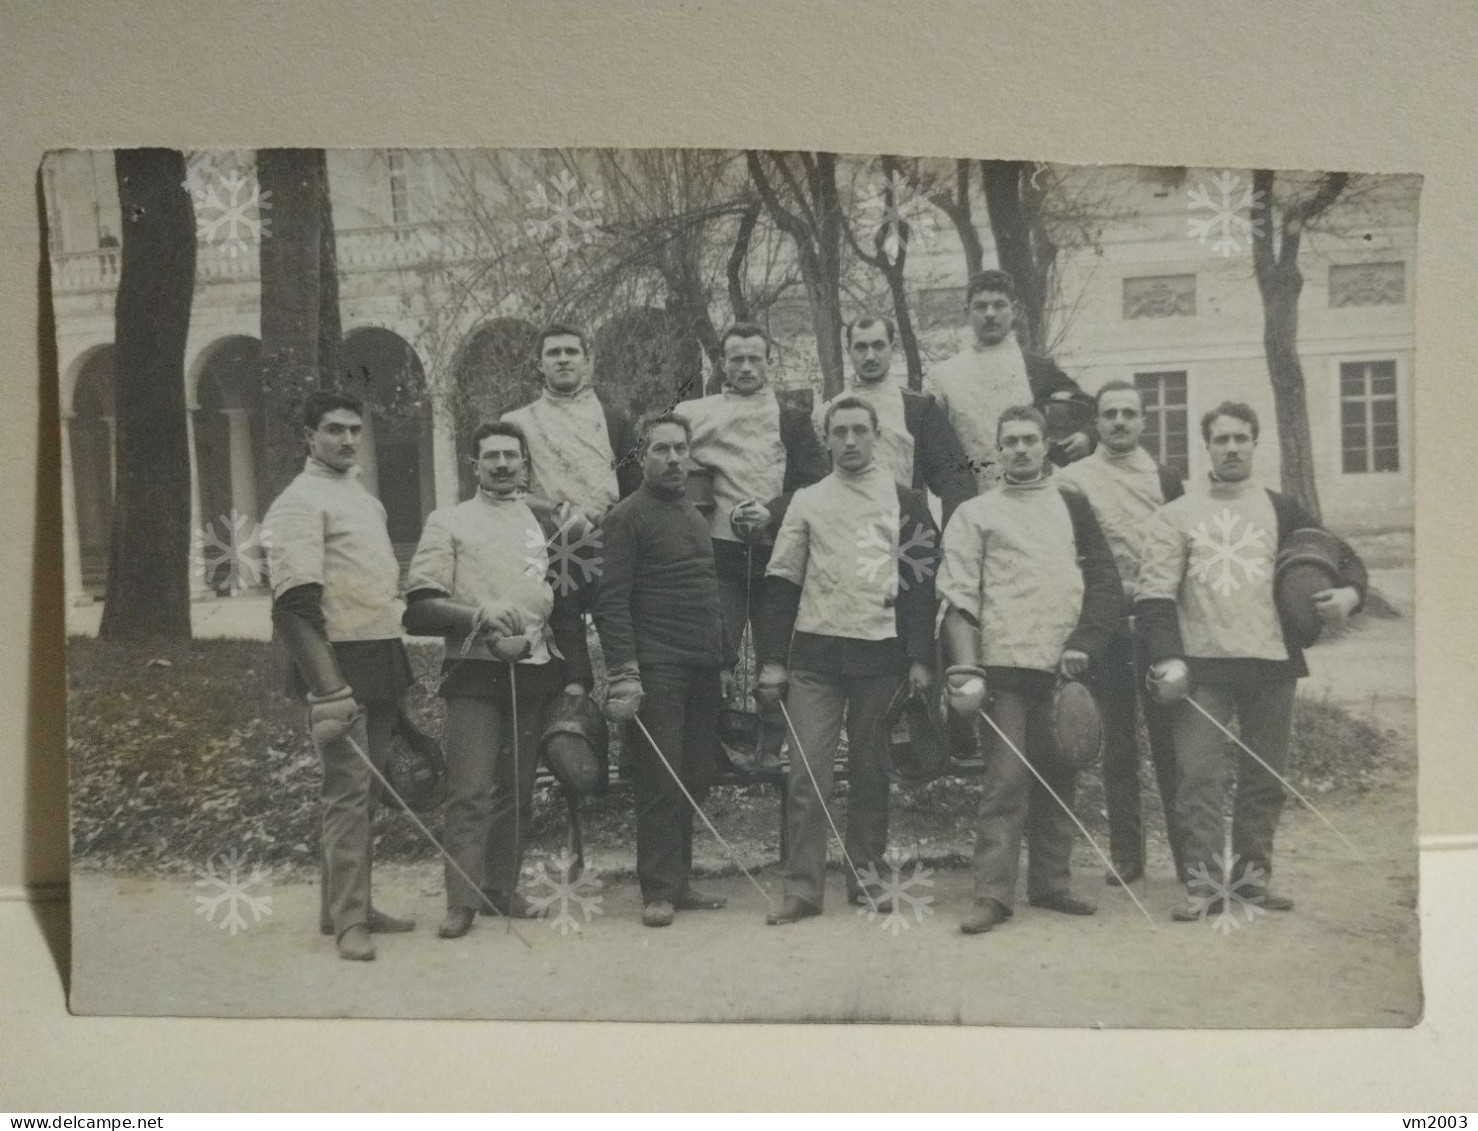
{"x":1148,"y":302}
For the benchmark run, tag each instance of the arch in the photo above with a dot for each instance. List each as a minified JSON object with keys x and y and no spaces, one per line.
{"x":229,"y":425}
{"x":92,"y":435}
{"x":384,"y":370}
{"x":493,"y":373}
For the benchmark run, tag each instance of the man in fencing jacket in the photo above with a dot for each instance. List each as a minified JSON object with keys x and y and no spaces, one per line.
{"x":1213,"y":633}
{"x":336,"y":606}
{"x":514,"y":643}
{"x":916,"y":442}
{"x":760,"y":448}
{"x":848,"y":614}
{"x":1125,"y":485}
{"x":1029,"y":592}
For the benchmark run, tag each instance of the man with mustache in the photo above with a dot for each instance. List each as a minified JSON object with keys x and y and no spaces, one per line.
{"x":336,"y":607}
{"x":1213,"y":633}
{"x":976,"y":385}
{"x":513,"y":645}
{"x":916,"y":442}
{"x":660,"y":619}
{"x":579,"y":445}
{"x":1030,"y":593}
{"x":760,"y":448}
{"x":1125,"y":485}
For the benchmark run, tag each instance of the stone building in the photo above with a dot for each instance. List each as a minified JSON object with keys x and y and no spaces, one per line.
{"x":1146,"y":301}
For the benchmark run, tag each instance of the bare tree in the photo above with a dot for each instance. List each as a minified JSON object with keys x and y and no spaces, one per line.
{"x":889,"y":256}
{"x":952,"y":197}
{"x":301,"y":332}
{"x":149,"y":549}
{"x":1277,"y":234}
{"x":799,"y":191}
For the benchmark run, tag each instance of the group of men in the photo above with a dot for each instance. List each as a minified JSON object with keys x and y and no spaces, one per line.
{"x":1056,"y":540}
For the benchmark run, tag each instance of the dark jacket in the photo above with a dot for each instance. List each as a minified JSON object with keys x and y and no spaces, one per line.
{"x":1061,"y":400}
{"x":774,"y":627}
{"x":622,"y":434}
{"x":939,"y":460}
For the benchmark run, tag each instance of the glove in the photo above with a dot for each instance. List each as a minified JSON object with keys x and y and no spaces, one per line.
{"x":511,"y":649}
{"x":1169,"y":681}
{"x":749,"y":520}
{"x":332,"y":716}
{"x":1074,"y":662}
{"x":965,"y":688}
{"x":500,"y":618}
{"x":624,"y":698}
{"x":920,"y":676}
{"x":1334,"y":606}
{"x":770,"y":686}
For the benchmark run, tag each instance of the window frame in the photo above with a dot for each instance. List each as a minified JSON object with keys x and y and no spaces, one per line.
{"x":1403,"y":418}
{"x":1186,"y":371}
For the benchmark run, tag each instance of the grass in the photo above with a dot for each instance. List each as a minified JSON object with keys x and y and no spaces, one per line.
{"x":180,"y":751}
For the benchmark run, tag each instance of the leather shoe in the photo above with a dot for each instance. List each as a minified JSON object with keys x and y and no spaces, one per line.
{"x":1129,"y":875}
{"x":792,"y":910}
{"x":1067,"y":904}
{"x":692,"y":899}
{"x":987,"y":913}
{"x":1267,"y":900}
{"x":658,"y":913}
{"x":510,"y":905}
{"x":880,"y":904}
{"x":355,"y":944}
{"x":457,"y":923}
{"x":1190,"y":910}
{"x":379,"y":924}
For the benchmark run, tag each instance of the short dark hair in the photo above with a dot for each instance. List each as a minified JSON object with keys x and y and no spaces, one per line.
{"x":991,"y":281}
{"x":1117,"y":385}
{"x":744,"y":330}
{"x":321,"y":402}
{"x":651,"y":420}
{"x":848,"y":402}
{"x":560,"y":330}
{"x":872,"y":320}
{"x":1238,"y":410}
{"x":500,"y":428}
{"x":1021,"y":412}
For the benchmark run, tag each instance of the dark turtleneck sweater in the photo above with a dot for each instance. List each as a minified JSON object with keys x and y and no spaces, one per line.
{"x":657,"y":601}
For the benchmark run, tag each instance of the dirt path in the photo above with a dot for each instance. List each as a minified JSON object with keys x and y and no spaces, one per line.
{"x":1348,"y":956}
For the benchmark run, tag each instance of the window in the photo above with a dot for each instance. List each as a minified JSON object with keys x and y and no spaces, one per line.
{"x":1159,"y":296}
{"x":399,"y":208}
{"x":1165,"y":418}
{"x":1367,"y":416}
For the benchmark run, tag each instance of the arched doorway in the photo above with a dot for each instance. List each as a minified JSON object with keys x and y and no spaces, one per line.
{"x":494,"y":372}
{"x":396,"y":459}
{"x":93,"y":427}
{"x":230,"y":447}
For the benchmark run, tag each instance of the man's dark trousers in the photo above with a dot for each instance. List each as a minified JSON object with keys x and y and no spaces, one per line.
{"x":680,"y":709}
{"x":1118,"y":680}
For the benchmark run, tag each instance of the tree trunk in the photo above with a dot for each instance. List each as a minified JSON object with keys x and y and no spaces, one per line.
{"x":907,"y":337}
{"x":1275,"y":250}
{"x":1011,"y":227}
{"x":149,"y":548}
{"x":300,"y":318}
{"x":957,"y":208}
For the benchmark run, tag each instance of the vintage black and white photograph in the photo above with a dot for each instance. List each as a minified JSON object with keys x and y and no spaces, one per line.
{"x":737,"y":586}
